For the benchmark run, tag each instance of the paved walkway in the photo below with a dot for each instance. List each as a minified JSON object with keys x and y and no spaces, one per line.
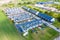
{"x":58,"y":38}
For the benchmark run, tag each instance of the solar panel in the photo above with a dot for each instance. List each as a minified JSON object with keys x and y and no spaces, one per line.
{"x":27,"y":25}
{"x":19,"y":15}
{"x":41,"y":15}
{"x":44,"y":16}
{"x":32,"y":11}
{"x":19,"y":28}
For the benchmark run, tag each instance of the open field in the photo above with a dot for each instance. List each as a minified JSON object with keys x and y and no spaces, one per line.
{"x":7,"y":29}
{"x":46,"y":34}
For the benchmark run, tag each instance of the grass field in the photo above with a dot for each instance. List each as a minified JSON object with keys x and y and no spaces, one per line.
{"x":7,"y":29}
{"x":46,"y":34}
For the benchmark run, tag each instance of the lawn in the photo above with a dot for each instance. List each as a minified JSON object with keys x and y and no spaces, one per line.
{"x":46,"y":34}
{"x":57,"y":24}
{"x":7,"y":29}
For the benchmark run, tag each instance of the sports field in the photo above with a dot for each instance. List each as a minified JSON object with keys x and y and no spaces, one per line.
{"x":9,"y":32}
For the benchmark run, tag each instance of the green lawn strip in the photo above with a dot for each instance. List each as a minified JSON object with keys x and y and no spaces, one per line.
{"x":36,"y":8}
{"x":57,"y":24}
{"x":53,"y":33}
{"x":45,"y":35}
{"x":57,"y":6}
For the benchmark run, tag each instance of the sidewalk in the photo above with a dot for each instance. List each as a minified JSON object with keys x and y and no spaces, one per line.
{"x":58,"y":38}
